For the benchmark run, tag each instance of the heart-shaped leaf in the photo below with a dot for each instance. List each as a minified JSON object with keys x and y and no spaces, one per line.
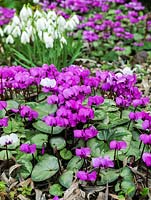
{"x":66,"y":179}
{"x":46,"y":168}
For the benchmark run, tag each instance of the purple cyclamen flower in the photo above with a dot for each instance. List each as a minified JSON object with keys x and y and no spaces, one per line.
{"x":101,"y":162}
{"x":56,"y":198}
{"x":147,"y":159}
{"x":3,"y":105}
{"x":118,"y":145}
{"x":146,"y":124}
{"x":4,"y":122}
{"x":146,"y":139}
{"x":86,"y":133}
{"x":85,"y":176}
{"x":27,"y":148}
{"x":83,"y":152}
{"x":95,"y":100}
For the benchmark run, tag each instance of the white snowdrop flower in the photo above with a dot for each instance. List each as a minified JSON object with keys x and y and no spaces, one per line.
{"x":75,"y":19}
{"x":40,"y":34}
{"x":127,"y":71}
{"x":25,"y":13}
{"x":8,"y":139}
{"x":8,"y":29}
{"x":16,"y":32}
{"x":35,"y":1}
{"x":16,"y":20}
{"x":47,"y":82}
{"x":9,"y":40}
{"x":61,"y":23}
{"x":37,"y":14}
{"x":25,"y":37}
{"x":63,"y":41}
{"x":48,"y":40}
{"x":52,"y":15}
{"x":41,"y":24}
{"x":51,"y":30}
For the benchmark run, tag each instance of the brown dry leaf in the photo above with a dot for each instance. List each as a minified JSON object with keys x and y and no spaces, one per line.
{"x":11,"y":169}
{"x":4,"y":178}
{"x":39,"y":195}
{"x":101,"y":196}
{"x":114,"y":196}
{"x":21,"y":197}
{"x":145,"y":84}
{"x":13,"y":185}
{"x":74,"y":193}
{"x":25,"y":183}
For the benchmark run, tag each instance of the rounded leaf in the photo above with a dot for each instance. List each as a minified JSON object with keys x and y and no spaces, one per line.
{"x":66,"y":179}
{"x":57,"y":142}
{"x":46,"y":168}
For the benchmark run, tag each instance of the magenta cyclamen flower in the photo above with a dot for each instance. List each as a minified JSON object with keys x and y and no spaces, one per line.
{"x":27,"y":148}
{"x":102,"y":162}
{"x":3,"y":105}
{"x":83,"y":152}
{"x":146,"y":139}
{"x":85,"y":176}
{"x":95,"y":100}
{"x":26,"y":111}
{"x":4,"y":122}
{"x":147,"y":159}
{"x":86,"y":133}
{"x":118,"y":145}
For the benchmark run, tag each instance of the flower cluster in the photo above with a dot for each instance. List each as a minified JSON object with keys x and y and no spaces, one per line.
{"x":6,"y":14}
{"x":45,"y":26}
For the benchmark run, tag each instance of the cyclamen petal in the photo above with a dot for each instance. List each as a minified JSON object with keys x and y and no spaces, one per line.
{"x":27,"y":148}
{"x":83,"y":152}
{"x":147,"y":158}
{"x":3,"y":105}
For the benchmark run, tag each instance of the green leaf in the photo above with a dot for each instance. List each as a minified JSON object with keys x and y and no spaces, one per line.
{"x":66,"y":154}
{"x":45,"y":168}
{"x":57,"y":142}
{"x":138,"y":36}
{"x":25,"y":169}
{"x":12,"y":104}
{"x":39,"y":139}
{"x":3,"y":155}
{"x":13,"y":126}
{"x":128,"y":187}
{"x":99,"y":115}
{"x":96,"y":147}
{"x":41,"y":126}
{"x":108,"y":176}
{"x":56,"y":190}
{"x":45,"y":109}
{"x":66,"y":179}
{"x":75,"y":163}
{"x":126,"y":174}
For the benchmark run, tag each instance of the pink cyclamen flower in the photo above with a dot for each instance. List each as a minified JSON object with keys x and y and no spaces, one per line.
{"x":3,"y":105}
{"x":85,"y":176}
{"x":4,"y":122}
{"x":95,"y":100}
{"x":27,"y":148}
{"x":146,"y":139}
{"x":83,"y":152}
{"x":147,"y":159}
{"x":118,"y":145}
{"x":101,"y":162}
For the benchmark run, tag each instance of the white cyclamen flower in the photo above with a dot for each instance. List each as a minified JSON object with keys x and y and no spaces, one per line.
{"x":25,"y":37}
{"x":8,"y":139}
{"x":47,"y":82}
{"x":9,"y":40}
{"x":127,"y":71}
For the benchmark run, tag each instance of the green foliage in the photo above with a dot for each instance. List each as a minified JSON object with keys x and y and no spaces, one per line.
{"x":45,"y":168}
{"x":56,"y":190}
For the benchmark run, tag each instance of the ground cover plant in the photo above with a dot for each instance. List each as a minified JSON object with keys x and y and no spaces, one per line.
{"x":75,"y":120}
{"x":74,"y":124}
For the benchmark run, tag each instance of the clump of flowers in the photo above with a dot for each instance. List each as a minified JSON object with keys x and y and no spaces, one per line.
{"x":44,"y":26}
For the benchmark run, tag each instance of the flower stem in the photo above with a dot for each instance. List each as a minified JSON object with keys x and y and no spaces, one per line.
{"x":7,"y":155}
